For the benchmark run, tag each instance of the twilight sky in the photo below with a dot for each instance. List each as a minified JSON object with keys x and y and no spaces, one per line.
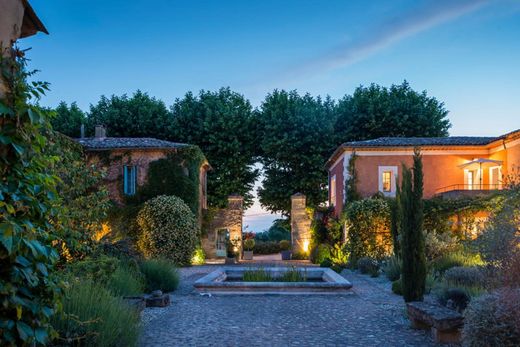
{"x":464,"y":52}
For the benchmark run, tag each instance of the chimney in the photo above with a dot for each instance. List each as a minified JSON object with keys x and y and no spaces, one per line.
{"x":82,"y":131}
{"x":100,"y":132}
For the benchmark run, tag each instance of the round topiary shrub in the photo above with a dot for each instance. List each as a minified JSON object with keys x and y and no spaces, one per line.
{"x":168,"y":229}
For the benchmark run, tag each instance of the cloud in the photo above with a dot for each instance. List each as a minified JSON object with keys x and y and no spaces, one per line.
{"x":389,"y":32}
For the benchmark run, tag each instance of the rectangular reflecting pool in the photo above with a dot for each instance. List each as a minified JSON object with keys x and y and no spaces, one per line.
{"x":309,"y":280}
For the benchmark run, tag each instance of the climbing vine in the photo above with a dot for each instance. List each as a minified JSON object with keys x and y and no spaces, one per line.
{"x":29,"y":295}
{"x":352,"y":180}
{"x":178,"y":174}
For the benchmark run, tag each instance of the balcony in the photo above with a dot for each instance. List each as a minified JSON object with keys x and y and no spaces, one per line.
{"x":467,"y":190}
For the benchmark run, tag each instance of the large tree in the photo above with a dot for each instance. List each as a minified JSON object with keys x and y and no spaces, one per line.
{"x":296,"y":140}
{"x":68,"y":120}
{"x":221,"y":124}
{"x":137,"y":116}
{"x":376,"y":111}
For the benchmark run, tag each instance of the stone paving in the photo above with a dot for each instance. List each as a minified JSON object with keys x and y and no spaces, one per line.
{"x":371,"y":316}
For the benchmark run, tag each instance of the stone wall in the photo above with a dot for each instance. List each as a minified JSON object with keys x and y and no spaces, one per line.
{"x":113,"y":162}
{"x":300,"y":224}
{"x":229,"y":218}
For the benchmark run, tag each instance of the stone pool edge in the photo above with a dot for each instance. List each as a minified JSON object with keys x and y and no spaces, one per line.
{"x":214,"y":283}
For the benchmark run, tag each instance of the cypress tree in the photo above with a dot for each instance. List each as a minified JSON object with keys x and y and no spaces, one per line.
{"x":411,"y":221}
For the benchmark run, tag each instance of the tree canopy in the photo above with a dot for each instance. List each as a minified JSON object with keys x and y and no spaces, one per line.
{"x":296,"y":139}
{"x":68,"y":120}
{"x":291,"y":135}
{"x":137,"y":116}
{"x":377,"y":111}
{"x":221,"y":124}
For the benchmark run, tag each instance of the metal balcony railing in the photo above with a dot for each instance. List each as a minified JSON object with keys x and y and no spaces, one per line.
{"x":476,"y":186}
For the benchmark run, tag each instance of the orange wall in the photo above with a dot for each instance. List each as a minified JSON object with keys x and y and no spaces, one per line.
{"x":439,"y":171}
{"x":513,"y":159}
{"x":340,"y":182}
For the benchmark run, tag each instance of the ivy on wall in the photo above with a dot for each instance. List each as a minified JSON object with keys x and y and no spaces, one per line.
{"x":178,"y":174}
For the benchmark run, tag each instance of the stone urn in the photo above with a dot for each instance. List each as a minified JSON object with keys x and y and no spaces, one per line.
{"x":248,"y":255}
{"x":286,"y":255}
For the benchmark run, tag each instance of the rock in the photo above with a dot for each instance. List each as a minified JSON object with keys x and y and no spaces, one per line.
{"x":157,"y":293}
{"x":158,"y":301}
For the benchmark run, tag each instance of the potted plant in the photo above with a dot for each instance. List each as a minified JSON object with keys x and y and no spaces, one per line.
{"x":284,"y":249}
{"x":249,"y":245}
{"x":232,"y":247}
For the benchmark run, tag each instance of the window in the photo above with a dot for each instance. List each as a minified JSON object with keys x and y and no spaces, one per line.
{"x":333,"y":190}
{"x":387,"y":181}
{"x":130,"y":179}
{"x":495,"y":177}
{"x":471,"y":179}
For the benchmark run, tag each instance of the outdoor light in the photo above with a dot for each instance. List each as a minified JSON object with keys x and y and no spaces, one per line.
{"x":306,"y":246}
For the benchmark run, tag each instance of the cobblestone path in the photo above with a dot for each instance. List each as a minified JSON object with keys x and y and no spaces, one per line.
{"x":371,"y":316}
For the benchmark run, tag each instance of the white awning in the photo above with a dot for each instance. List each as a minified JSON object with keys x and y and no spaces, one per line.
{"x":479,"y":162}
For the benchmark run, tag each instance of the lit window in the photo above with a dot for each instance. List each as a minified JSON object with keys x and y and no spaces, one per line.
{"x":129,"y":179}
{"x":333,"y":190}
{"x":387,"y":181}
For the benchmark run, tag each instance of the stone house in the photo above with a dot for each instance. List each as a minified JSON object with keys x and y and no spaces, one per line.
{"x":127,"y":162}
{"x":452,"y":166}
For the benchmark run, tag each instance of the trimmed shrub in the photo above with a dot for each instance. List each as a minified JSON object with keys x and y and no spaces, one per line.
{"x":168,"y":229}
{"x":464,"y":276}
{"x":392,"y":268}
{"x":397,"y":287}
{"x":453,"y":259}
{"x":320,"y":253}
{"x":493,"y":320}
{"x":160,"y":274}
{"x":368,"y":266}
{"x":284,"y":245}
{"x":455,"y":298}
{"x":326,"y":263}
{"x":300,"y":256}
{"x":199,"y":257}
{"x":368,"y":229}
{"x":268,"y":247}
{"x":339,"y":255}
{"x":437,"y":244}
{"x":92,"y":316}
{"x":249,"y":244}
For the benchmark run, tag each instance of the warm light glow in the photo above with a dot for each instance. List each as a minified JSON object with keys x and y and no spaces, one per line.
{"x":104,"y":231}
{"x":306,"y":246}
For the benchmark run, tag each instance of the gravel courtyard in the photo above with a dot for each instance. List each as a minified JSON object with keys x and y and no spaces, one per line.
{"x":371,"y":316}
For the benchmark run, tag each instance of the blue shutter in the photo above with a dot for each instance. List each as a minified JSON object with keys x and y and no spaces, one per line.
{"x":134,"y":180}
{"x":125,"y":179}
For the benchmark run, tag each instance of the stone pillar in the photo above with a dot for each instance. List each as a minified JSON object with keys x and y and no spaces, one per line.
{"x":300,"y":224}
{"x":235,"y":211}
{"x":229,"y":218}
